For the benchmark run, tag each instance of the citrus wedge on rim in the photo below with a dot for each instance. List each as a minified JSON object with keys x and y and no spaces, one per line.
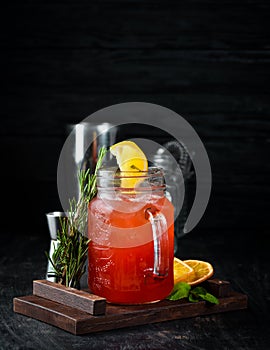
{"x":131,"y":159}
{"x":203,"y":270}
{"x":129,"y":156}
{"x":181,"y":271}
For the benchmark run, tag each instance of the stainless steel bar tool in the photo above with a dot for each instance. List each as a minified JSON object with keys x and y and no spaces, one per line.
{"x":53,"y":219}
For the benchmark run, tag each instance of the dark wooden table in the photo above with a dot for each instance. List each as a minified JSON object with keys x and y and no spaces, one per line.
{"x":241,"y":260}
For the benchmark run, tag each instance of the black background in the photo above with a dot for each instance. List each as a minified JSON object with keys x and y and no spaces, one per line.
{"x":206,"y":60}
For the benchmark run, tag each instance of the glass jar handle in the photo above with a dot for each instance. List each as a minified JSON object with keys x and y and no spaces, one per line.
{"x":161,"y":244}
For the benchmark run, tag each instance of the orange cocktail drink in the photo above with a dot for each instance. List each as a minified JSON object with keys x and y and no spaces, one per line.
{"x":132,"y":238}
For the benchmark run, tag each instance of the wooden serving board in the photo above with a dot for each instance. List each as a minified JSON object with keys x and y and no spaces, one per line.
{"x":76,"y":321}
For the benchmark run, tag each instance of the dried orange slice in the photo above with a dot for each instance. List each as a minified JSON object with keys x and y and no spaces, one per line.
{"x":203,"y":270}
{"x":181,"y":271}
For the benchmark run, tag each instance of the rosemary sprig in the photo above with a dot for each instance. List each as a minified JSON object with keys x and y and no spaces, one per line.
{"x":70,"y":254}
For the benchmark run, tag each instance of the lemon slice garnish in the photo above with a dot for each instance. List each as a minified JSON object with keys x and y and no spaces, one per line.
{"x":131,"y":160}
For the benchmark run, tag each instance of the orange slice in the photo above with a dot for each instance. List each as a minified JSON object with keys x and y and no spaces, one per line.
{"x":203,"y":270}
{"x":131,"y":160}
{"x":181,"y":271}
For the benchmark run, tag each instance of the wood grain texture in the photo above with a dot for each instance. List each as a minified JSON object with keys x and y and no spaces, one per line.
{"x":80,"y":322}
{"x":132,"y":24}
{"x":144,"y":71}
{"x":218,"y":288}
{"x":71,"y":297}
{"x":63,"y":60}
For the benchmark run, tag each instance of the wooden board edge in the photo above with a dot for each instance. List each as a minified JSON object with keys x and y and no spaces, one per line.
{"x":177,"y":311}
{"x":22,"y":306}
{"x":33,"y":306}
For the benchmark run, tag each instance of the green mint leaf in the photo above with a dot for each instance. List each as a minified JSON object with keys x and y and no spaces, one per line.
{"x":198,"y":291}
{"x":183,"y":290}
{"x":180,"y":290}
{"x":193,"y":298}
{"x":210,"y":298}
{"x":182,"y":286}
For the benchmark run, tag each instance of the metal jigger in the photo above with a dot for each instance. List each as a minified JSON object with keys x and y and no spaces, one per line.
{"x":53,"y":220}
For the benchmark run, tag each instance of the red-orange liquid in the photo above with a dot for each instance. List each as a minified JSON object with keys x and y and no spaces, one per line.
{"x":121,"y":257}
